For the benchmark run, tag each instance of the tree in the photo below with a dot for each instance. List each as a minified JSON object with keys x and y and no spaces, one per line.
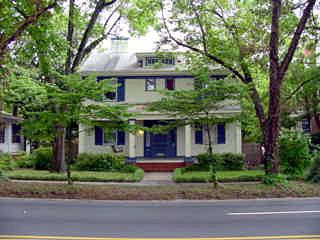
{"x":83,"y":99}
{"x":17,"y":16}
{"x":201,"y":106}
{"x":234,"y":35}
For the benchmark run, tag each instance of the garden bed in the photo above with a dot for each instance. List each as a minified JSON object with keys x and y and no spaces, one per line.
{"x":180,"y":175}
{"x":160,"y":192}
{"x":85,"y":176}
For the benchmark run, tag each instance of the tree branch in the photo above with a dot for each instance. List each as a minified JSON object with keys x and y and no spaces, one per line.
{"x":23,"y":26}
{"x":210,"y":56}
{"x":96,"y":42}
{"x":101,"y":4}
{"x":296,"y":38}
{"x":69,"y":37}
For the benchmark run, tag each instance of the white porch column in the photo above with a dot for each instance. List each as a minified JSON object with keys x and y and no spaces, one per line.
{"x":132,"y":144}
{"x":9,"y":137}
{"x":238,"y":137}
{"x":187,"y":144}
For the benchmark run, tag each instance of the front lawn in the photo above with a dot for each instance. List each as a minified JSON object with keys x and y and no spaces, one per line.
{"x":180,"y":175}
{"x":86,"y":176}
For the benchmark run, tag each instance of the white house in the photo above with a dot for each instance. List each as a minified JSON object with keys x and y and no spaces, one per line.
{"x":138,"y":81}
{"x":10,"y":139}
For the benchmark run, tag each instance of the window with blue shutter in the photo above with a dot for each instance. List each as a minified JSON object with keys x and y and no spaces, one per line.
{"x":121,"y":90}
{"x":98,"y":134}
{"x":198,"y":135}
{"x":121,"y":139}
{"x":221,"y":131}
{"x":16,"y":130}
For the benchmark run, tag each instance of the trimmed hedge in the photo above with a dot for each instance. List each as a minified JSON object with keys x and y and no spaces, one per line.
{"x":181,"y":175}
{"x":85,"y":176}
{"x":224,"y":161}
{"x":101,"y":162}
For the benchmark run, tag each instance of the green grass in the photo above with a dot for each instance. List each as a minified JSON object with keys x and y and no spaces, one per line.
{"x":223,"y":176}
{"x":27,"y":174}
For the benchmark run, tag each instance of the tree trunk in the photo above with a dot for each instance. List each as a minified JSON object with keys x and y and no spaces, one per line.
{"x":58,"y":150}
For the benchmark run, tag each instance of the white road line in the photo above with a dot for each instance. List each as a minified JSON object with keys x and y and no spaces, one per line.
{"x":271,"y":213}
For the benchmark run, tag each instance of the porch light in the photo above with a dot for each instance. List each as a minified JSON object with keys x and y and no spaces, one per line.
{"x":140,"y":132}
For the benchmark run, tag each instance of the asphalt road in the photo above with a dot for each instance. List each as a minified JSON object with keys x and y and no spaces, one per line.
{"x":150,"y":219}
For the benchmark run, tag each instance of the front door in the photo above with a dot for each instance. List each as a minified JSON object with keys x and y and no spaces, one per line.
{"x":159,"y":145}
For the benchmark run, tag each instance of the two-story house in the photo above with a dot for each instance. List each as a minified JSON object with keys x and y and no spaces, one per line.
{"x":138,"y":84}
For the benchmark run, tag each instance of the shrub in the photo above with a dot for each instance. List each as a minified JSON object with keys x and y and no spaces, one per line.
{"x":314,"y":174}
{"x":224,"y":161}
{"x":41,"y":158}
{"x":274,"y":179}
{"x":232,"y":161}
{"x":6,"y":162}
{"x":294,"y":152}
{"x":99,"y":162}
{"x":25,"y":161}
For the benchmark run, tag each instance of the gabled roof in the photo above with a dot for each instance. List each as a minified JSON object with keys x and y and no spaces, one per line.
{"x":120,"y":63}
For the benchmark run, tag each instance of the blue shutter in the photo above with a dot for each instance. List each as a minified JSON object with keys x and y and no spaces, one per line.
{"x":99,"y":78}
{"x":121,"y":90}
{"x":121,"y":138}
{"x":221,"y":133}
{"x":199,"y":135}
{"x":98,"y":134}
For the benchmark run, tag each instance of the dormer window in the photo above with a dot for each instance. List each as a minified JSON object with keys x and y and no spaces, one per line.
{"x":151,"y":60}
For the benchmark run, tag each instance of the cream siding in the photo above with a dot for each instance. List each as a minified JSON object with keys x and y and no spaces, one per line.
{"x":135,"y":89}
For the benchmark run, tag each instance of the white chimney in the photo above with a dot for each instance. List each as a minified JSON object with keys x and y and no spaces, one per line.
{"x":119,"y":45}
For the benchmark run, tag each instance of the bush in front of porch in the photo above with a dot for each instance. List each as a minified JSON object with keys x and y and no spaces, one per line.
{"x":88,"y":167}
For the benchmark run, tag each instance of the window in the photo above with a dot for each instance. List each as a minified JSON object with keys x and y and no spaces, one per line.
{"x":109,"y":137}
{"x":2,"y":134}
{"x":170,"y":84}
{"x":111,"y":96}
{"x":305,"y":125}
{"x":150,"y":84}
{"x":16,"y":129}
{"x":151,"y":60}
{"x":221,"y":136}
{"x":198,"y":134}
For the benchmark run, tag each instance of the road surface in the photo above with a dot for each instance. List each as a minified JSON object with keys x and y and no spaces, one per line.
{"x":160,"y":219}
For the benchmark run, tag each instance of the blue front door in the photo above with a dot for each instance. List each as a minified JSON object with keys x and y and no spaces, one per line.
{"x":159,"y":145}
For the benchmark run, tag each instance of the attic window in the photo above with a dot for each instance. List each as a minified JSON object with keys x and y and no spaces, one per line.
{"x":151,"y":60}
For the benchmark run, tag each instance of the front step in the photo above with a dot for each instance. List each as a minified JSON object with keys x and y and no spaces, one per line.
{"x":160,"y":167}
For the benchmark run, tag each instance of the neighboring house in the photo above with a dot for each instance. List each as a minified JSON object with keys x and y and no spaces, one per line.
{"x":138,"y":81}
{"x":11,"y":140}
{"x":308,"y":125}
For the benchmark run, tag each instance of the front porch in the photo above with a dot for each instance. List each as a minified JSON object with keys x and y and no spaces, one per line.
{"x":171,"y":148}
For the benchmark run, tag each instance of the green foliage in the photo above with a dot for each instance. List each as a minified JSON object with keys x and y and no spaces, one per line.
{"x":274,"y":179}
{"x":86,"y":176}
{"x":25,"y":161}
{"x":100,"y":162}
{"x":184,"y":175}
{"x":294,"y":152}
{"x":223,"y":161}
{"x":6,"y":162}
{"x":232,"y":161}
{"x":314,"y":174}
{"x":42,"y":158}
